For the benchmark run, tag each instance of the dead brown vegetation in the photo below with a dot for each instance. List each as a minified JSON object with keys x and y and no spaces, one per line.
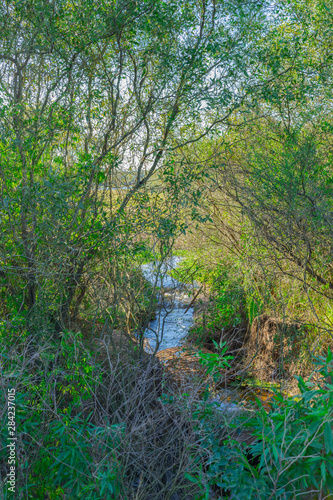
{"x":272,"y":347}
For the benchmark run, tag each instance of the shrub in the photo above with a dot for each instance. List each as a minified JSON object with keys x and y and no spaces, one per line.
{"x":292,"y":450}
{"x":92,"y":429}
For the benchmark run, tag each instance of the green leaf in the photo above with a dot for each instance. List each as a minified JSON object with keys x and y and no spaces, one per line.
{"x":328,"y":437}
{"x":191,"y":478}
{"x":323,"y":471}
{"x":275,"y":452}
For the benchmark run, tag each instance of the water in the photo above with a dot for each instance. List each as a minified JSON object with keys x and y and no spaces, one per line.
{"x":172,"y":320}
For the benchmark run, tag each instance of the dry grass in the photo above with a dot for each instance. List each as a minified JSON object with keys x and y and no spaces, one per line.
{"x":131,"y":399}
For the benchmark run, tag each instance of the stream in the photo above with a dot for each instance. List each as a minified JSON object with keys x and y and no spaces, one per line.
{"x":173,"y":316}
{"x":173,"y":320}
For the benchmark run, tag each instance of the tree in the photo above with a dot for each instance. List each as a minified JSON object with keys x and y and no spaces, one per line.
{"x":270,"y":172}
{"x":94,"y":97}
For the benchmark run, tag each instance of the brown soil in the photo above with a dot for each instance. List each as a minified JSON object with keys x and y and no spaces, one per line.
{"x":183,"y":363}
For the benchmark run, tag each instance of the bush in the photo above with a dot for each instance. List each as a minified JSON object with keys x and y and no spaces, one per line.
{"x":91,"y":424}
{"x":292,"y":448}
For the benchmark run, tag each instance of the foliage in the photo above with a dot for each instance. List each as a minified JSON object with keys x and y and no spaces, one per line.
{"x":66,"y":460}
{"x":225,"y":286}
{"x":291,"y":452}
{"x":213,"y":362}
{"x":126,"y":126}
{"x":95,"y":99}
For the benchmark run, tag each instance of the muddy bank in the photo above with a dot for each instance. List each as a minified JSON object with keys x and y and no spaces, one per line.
{"x":268,"y":349}
{"x":272,"y":348}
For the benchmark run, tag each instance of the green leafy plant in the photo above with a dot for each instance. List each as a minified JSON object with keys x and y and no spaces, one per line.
{"x":292,"y":449}
{"x":214,"y":362}
{"x":66,"y":459}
